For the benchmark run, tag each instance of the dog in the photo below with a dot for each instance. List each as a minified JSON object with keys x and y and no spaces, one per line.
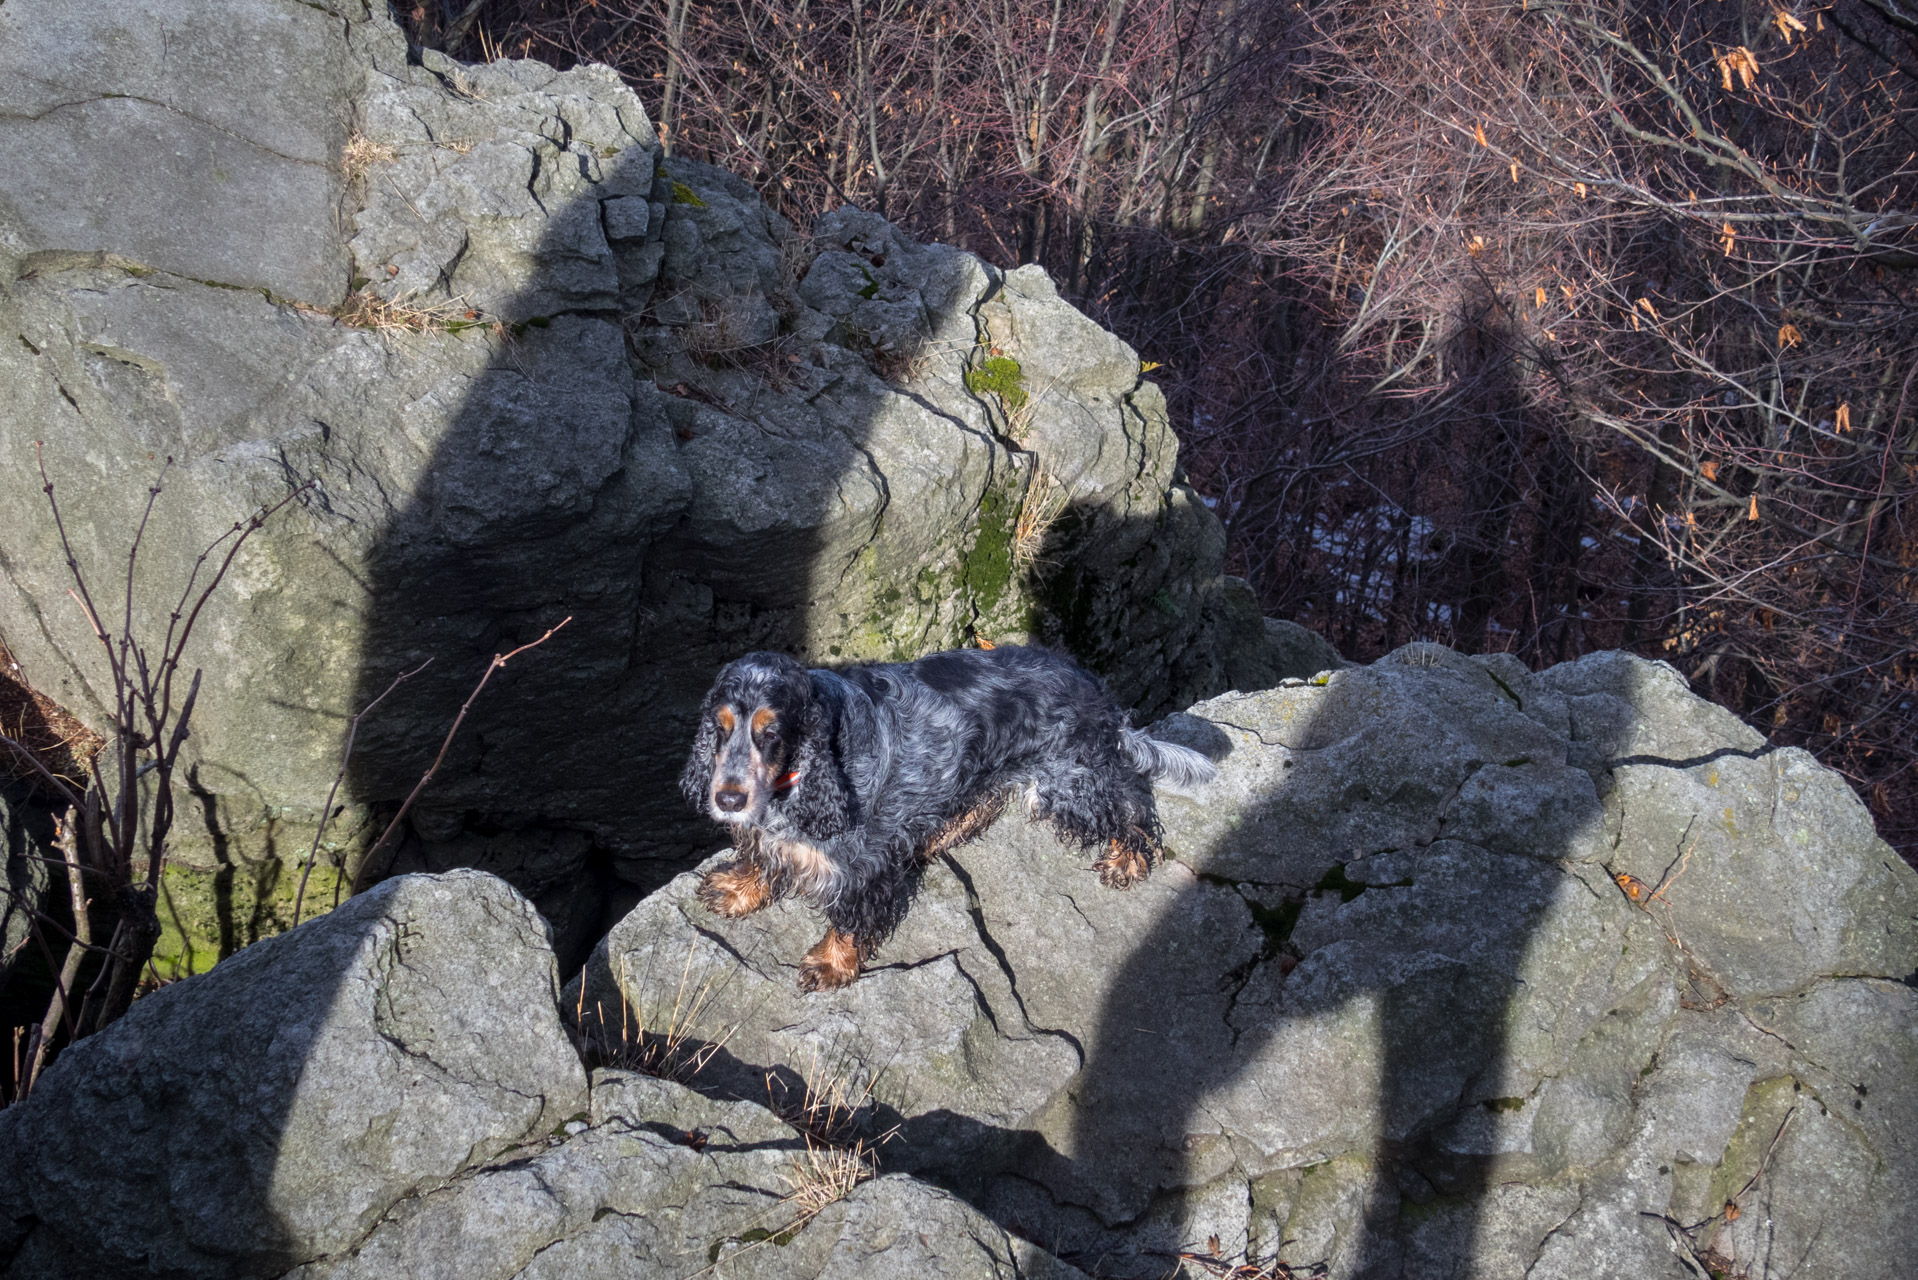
{"x":838,"y":787}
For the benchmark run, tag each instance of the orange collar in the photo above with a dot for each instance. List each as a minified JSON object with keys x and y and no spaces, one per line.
{"x":787,"y":782}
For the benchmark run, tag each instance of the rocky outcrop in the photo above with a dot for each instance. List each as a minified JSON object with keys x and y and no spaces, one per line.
{"x":528,"y":370}
{"x":386,"y":1094}
{"x":272,"y":1110}
{"x":1456,"y":970}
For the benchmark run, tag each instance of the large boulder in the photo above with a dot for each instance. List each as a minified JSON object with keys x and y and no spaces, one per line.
{"x":1455,"y":970}
{"x":661,"y":1181}
{"x":271,"y":1111}
{"x":527,"y":370}
{"x":386,"y":1093}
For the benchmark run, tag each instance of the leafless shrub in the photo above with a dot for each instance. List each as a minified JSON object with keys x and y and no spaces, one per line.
{"x":118,"y":792}
{"x":1613,"y":300}
{"x":371,"y":863}
{"x":113,"y":837}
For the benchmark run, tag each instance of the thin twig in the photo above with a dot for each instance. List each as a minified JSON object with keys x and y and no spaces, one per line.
{"x":57,"y":1009}
{"x":499,"y":660}
{"x":346,"y":754}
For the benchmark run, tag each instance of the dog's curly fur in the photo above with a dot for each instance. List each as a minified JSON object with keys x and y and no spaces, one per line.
{"x":839,"y":786}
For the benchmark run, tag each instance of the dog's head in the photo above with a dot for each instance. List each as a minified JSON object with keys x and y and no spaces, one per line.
{"x":764,"y":750}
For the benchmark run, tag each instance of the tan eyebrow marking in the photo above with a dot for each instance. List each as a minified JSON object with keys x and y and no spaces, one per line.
{"x":726,"y":719}
{"x":762,"y":718}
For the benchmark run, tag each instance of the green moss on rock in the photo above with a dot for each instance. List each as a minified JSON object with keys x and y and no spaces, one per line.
{"x":1002,"y":376}
{"x":206,"y":916}
{"x":988,"y":566}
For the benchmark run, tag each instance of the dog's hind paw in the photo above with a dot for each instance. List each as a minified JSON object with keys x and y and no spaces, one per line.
{"x":832,"y":963}
{"x":734,"y":891}
{"x":1121,"y":868}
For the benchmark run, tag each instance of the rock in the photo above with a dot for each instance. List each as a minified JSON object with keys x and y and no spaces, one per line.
{"x":254,"y":1117}
{"x":666,"y":1182}
{"x":898,"y":1228}
{"x":1263,"y":652}
{"x":647,"y":1175}
{"x":26,"y":846}
{"x":1389,"y":1007}
{"x":200,"y":139}
{"x":530,"y":371}
{"x":597,"y":1203}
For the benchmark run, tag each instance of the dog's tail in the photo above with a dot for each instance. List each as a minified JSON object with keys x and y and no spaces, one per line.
{"x":1179,"y":767}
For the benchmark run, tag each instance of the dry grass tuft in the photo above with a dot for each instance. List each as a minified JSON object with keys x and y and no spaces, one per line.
{"x":727,"y":336}
{"x":896,"y":366}
{"x":825,"y":1174}
{"x":669,"y":1048}
{"x":1423,"y":654}
{"x":826,"y":1106}
{"x":725,"y":333}
{"x":364,"y":309}
{"x":828,"y":1111}
{"x":361,"y":153}
{"x":796,"y":255}
{"x":1039,"y":510}
{"x":1212,"y":1263}
{"x":830,"y":1108}
{"x":829,"y":1105}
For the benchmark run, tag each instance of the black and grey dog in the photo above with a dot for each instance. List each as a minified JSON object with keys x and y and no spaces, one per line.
{"x":839,"y":786}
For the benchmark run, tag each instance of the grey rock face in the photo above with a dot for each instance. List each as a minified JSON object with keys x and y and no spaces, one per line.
{"x":1390,"y":1007}
{"x":666,"y":1182}
{"x":569,"y":380}
{"x":270,"y":1111}
{"x":386,"y":1094}
{"x":634,"y":1192}
{"x":898,"y":1228}
{"x":198,"y":138}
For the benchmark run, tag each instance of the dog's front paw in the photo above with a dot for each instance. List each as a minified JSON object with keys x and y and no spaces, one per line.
{"x":734,"y":891}
{"x":832,"y":963}
{"x":1121,"y":868}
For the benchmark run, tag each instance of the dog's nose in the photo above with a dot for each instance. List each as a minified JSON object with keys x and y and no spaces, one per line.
{"x":731,"y":799}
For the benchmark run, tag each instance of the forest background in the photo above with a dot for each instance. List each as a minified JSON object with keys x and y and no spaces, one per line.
{"x":1542,"y":326}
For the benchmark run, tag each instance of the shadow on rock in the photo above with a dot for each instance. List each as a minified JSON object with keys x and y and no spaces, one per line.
{"x":1389,"y":1008}
{"x":271,"y":1111}
{"x":698,"y":432}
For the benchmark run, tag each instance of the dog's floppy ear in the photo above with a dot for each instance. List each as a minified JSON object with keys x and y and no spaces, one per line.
{"x":821,"y":802}
{"x":696,"y":779}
